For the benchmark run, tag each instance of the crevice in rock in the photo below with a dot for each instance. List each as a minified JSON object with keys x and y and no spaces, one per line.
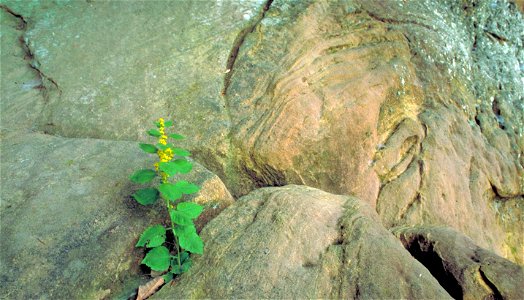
{"x":23,"y":23}
{"x":397,"y":22}
{"x":423,"y":251}
{"x":29,"y":56}
{"x":418,"y":196}
{"x":495,"y":292}
{"x":239,"y":40}
{"x":411,"y":50}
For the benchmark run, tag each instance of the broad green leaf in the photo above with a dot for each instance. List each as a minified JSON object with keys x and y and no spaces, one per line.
{"x":146,"y":196}
{"x":183,"y":165}
{"x":181,"y":152}
{"x":168,"y":123}
{"x":192,"y":243}
{"x":154,"y":132}
{"x":186,"y":187}
{"x":170,"y":191}
{"x":153,"y":236}
{"x":143,"y":176}
{"x":185,"y":230}
{"x":148,"y":148}
{"x":189,"y":209}
{"x":177,"y":166}
{"x":180,"y":218}
{"x":177,"y":136}
{"x":157,"y":259}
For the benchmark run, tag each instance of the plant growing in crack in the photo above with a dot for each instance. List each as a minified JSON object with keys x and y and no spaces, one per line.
{"x":172,"y":161}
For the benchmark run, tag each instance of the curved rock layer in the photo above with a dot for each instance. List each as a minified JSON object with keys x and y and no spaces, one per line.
{"x":398,"y":104}
{"x":300,"y":242}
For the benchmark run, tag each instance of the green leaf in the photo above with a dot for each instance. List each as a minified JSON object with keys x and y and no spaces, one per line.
{"x":177,"y":166}
{"x":167,"y":277}
{"x":180,"y":218}
{"x":148,"y":148}
{"x":176,"y":269}
{"x":153,"y":236}
{"x":189,"y":209}
{"x":184,"y":256}
{"x":143,"y":176}
{"x":154,"y":132}
{"x":157,"y":259}
{"x":146,"y":196}
{"x":168,"y":123}
{"x":177,"y":136}
{"x":186,"y":187}
{"x":192,"y":243}
{"x":181,"y":152}
{"x":183,"y":165}
{"x":170,"y":191}
{"x":185,"y":230}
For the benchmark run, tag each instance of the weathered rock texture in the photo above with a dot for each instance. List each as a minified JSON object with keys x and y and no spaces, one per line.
{"x":414,"y":107}
{"x":300,"y":242}
{"x":464,"y":269}
{"x":68,"y":220}
{"x":387,"y":100}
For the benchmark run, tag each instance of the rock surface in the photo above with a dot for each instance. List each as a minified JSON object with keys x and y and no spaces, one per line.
{"x":414,"y":107}
{"x":386,"y":101}
{"x":68,"y":219}
{"x":464,"y":269}
{"x":300,"y":242}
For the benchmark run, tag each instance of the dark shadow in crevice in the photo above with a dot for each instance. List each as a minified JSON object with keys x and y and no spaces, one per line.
{"x":423,"y":251}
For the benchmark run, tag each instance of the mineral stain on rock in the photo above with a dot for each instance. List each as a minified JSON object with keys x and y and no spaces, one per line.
{"x":345,"y":149}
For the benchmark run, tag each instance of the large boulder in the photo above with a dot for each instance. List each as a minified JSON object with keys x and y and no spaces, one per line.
{"x":300,"y":242}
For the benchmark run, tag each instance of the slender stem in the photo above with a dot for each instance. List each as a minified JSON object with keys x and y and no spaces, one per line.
{"x":174,"y":234}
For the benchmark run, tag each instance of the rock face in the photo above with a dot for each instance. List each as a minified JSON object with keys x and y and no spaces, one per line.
{"x":68,"y":218}
{"x":386,"y":101}
{"x":300,"y":242}
{"x":414,"y":107}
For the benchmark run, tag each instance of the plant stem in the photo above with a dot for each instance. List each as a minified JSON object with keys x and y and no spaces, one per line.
{"x":174,"y":234}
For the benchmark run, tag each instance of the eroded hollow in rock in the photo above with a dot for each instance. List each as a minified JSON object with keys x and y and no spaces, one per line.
{"x":423,"y":251}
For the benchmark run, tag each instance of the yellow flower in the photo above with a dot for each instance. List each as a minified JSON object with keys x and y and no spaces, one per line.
{"x":163,"y":155}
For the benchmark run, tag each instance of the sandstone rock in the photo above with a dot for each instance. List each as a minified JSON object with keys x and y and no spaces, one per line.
{"x":117,"y":67}
{"x":307,"y":96}
{"x":469,"y":161}
{"x":300,"y":242}
{"x":415,"y":107}
{"x":386,"y":100}
{"x":69,"y":224}
{"x":464,"y":269}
